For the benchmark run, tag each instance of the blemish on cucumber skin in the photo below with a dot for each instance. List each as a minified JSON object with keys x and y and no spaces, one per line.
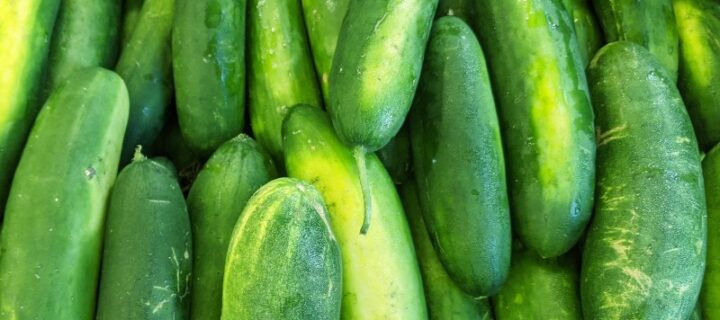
{"x":89,"y":173}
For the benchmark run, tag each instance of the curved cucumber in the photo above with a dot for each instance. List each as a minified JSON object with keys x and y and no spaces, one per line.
{"x":458,"y":160}
{"x":644,"y":254}
{"x":381,"y":279}
{"x":649,"y":23}
{"x":395,"y":156}
{"x":445,"y":299}
{"x":538,"y":78}
{"x":587,"y":28}
{"x":51,"y":239}
{"x":710,"y":295}
{"x":280,"y":66}
{"x":145,"y":65}
{"x":131,"y":11}
{"x":283,"y":261}
{"x":219,"y":194}
{"x":698,"y":23}
{"x":209,"y":71}
{"x":25,"y":30}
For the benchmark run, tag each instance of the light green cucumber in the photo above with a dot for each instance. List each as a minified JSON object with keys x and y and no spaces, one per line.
{"x":130,"y":12}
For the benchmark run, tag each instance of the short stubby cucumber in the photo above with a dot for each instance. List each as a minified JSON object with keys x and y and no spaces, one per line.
{"x":208,"y":48}
{"x":283,"y":261}
{"x":395,"y":156}
{"x":587,"y":28}
{"x":51,"y":240}
{"x":698,"y":23}
{"x":381,"y":277}
{"x":220,"y":192}
{"x":545,"y":117}
{"x":644,"y":254}
{"x":458,"y":160}
{"x":710,"y":295}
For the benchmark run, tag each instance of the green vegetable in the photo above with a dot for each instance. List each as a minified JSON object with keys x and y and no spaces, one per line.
{"x":130,"y":13}
{"x":711,"y":285}
{"x":463,"y":9}
{"x":587,"y":28}
{"x":395,"y":156}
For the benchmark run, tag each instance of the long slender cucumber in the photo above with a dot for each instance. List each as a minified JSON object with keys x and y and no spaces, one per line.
{"x":710,"y":295}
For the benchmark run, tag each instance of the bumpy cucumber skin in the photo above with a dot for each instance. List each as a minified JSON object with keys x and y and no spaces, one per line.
{"x":283,"y":261}
{"x":445,"y":300}
{"x":148,"y":247}
{"x":51,"y":239}
{"x":86,"y":34}
{"x":145,"y":65}
{"x":381,"y":277}
{"x":323,"y":19}
{"x":280,"y":66}
{"x":130,"y":12}
{"x":538,"y":80}
{"x":644,"y":254}
{"x":376,"y":68}
{"x":698,"y":24}
{"x":25,"y":30}
{"x":649,"y":23}
{"x":220,"y":192}
{"x":209,"y":71}
{"x":710,"y":294}
{"x":539,"y":288}
{"x":395,"y":155}
{"x":587,"y":28}
{"x":458,"y":160}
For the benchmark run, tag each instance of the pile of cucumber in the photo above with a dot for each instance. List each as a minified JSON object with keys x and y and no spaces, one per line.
{"x":359,"y":159}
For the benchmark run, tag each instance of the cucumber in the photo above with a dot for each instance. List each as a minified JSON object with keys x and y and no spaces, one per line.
{"x":234,"y":172}
{"x":445,"y":300}
{"x":283,"y":261}
{"x":145,"y":65}
{"x":463,"y":9}
{"x":209,"y":70}
{"x":130,"y":12}
{"x":25,"y":29}
{"x":381,"y":277}
{"x":146,"y":260}
{"x":698,"y":24}
{"x":697,"y":312}
{"x":51,"y":239}
{"x":323,"y":19}
{"x":395,"y":156}
{"x":587,"y":28}
{"x":645,"y":249}
{"x":171,"y":144}
{"x":710,"y":294}
{"x":458,"y":160}
{"x":538,"y":79}
{"x":86,"y":34}
{"x":281,"y":68}
{"x":540,"y":288}
{"x":650,"y":23}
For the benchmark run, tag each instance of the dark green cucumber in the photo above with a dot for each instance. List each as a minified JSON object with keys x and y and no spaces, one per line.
{"x":209,"y":71}
{"x":697,"y":312}
{"x":395,"y":156}
{"x":546,"y":119}
{"x":86,"y":34}
{"x":171,"y":144}
{"x":710,"y":294}
{"x":445,"y":300}
{"x":540,"y":288}
{"x":587,"y":28}
{"x":698,"y":24}
{"x":234,"y":172}
{"x":280,"y":66}
{"x":644,"y":254}
{"x":463,"y":9}
{"x":283,"y":261}
{"x":381,"y":278}
{"x":145,"y":65}
{"x":650,"y":23}
{"x":148,"y":247}
{"x":130,"y":13}
{"x":51,"y":239}
{"x":458,"y":160}
{"x":323,"y":19}
{"x":25,"y":30}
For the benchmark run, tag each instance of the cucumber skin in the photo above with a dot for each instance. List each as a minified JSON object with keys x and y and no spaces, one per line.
{"x":644,"y":254}
{"x":538,"y":78}
{"x":281,"y":69}
{"x":540,"y":288}
{"x":220,"y":192}
{"x":463,"y":9}
{"x":146,"y":260}
{"x":145,"y":65}
{"x":376,"y":68}
{"x":710,"y":293}
{"x":53,"y":228}
{"x":19,"y":102}
{"x":86,"y":34}
{"x":587,"y":28}
{"x":458,"y":161}
{"x":208,"y":43}
{"x":698,"y":24}
{"x":445,"y":300}
{"x":381,"y":277}
{"x":130,"y":12}
{"x":395,"y":156}
{"x":650,"y":23}
{"x":283,"y":260}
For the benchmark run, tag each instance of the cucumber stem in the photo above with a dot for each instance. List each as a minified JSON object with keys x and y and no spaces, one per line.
{"x":359,"y":154}
{"x":138,"y":156}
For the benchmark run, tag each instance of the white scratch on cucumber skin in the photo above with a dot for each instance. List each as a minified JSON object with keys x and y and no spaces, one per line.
{"x":643,"y":282}
{"x":159,"y":201}
{"x":670,"y":250}
{"x":612,"y":134}
{"x":681,"y":140}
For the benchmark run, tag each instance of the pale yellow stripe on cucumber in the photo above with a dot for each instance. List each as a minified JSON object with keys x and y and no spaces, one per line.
{"x":695,"y":41}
